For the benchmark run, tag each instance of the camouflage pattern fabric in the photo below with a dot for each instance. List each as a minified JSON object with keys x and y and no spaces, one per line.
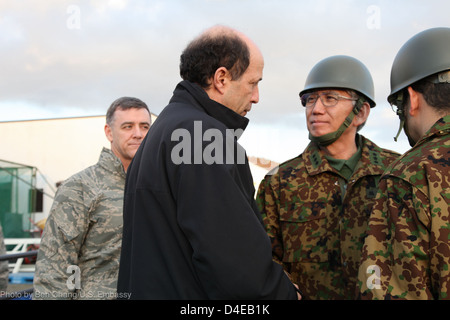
{"x":4,"y":273}
{"x":317,"y":220}
{"x":83,"y":230}
{"x":406,"y":254}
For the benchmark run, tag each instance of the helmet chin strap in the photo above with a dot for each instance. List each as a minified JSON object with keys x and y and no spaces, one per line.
{"x":331,"y":137}
{"x":404,"y":127}
{"x":402,"y":124}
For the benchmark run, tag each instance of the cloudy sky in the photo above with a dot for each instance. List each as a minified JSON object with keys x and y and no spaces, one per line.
{"x":64,"y":58}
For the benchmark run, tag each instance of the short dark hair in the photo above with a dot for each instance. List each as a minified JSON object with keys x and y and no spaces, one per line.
{"x":204,"y":55}
{"x":124,"y":103}
{"x":437,"y":95}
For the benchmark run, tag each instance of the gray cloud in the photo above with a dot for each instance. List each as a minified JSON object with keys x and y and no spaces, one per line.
{"x":57,"y":59}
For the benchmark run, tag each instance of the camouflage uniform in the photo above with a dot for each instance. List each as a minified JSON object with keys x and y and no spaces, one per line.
{"x":317,"y":219}
{"x":84,"y":229}
{"x":407,"y":248}
{"x":3,"y":265}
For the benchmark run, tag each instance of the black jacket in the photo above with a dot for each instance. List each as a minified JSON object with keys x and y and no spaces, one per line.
{"x":193,"y":231}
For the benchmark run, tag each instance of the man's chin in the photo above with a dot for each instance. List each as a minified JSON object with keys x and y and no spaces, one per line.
{"x":132,"y":151}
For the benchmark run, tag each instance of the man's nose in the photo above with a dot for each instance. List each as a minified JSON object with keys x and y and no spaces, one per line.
{"x":255,"y":95}
{"x":138,"y":132}
{"x":318,"y":106}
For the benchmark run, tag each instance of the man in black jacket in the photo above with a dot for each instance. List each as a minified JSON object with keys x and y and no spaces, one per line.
{"x":191,"y":226}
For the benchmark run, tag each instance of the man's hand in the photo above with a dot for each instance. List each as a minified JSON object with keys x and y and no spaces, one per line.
{"x":299,"y":293}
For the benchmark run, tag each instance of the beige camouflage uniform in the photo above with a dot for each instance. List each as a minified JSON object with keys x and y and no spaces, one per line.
{"x":407,"y":251}
{"x":3,"y":265}
{"x":316,"y":227}
{"x":84,"y":229}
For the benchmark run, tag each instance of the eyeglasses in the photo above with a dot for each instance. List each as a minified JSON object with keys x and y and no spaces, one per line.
{"x":329,"y":99}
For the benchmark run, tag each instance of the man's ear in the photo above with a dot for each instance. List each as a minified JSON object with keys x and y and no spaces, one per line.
{"x":414,"y":100}
{"x":108,"y":133}
{"x":362,"y":115}
{"x":220,"y":79}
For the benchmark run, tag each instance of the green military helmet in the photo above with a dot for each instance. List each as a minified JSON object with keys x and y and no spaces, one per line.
{"x":425,"y":54}
{"x":341,"y":72}
{"x":345,"y":73}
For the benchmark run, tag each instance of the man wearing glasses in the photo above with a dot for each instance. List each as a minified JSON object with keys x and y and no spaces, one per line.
{"x":316,"y":206}
{"x":408,"y":243}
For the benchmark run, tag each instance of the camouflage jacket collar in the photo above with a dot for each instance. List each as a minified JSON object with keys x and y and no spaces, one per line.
{"x":440,"y":128}
{"x":110,"y":162}
{"x":369,"y":164}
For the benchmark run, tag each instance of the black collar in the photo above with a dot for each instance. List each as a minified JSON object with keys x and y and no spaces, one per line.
{"x":228,"y":117}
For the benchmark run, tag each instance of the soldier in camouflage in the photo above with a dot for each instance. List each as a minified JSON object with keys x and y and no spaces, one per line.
{"x":3,"y":265}
{"x":80,"y":247}
{"x":316,"y":206}
{"x":406,"y":254}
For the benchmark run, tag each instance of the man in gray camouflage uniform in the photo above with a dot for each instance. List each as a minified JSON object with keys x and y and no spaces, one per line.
{"x":81,"y":243}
